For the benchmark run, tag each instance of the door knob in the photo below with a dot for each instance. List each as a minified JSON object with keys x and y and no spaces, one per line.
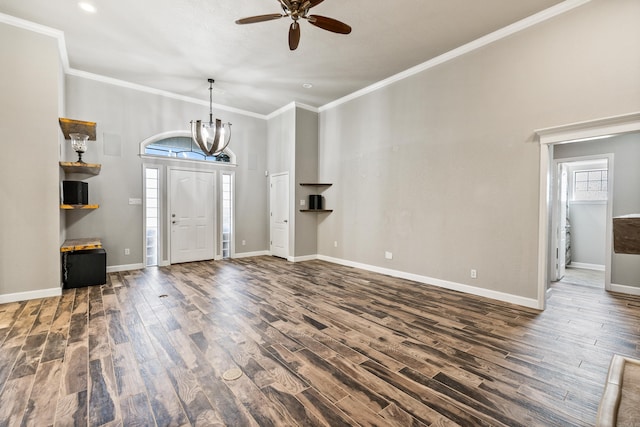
{"x":285,"y":221}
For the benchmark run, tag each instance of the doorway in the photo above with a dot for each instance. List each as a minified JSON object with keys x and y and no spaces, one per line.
{"x":581,"y":212}
{"x":279,"y":215}
{"x":569,"y":133}
{"x":192,"y":209}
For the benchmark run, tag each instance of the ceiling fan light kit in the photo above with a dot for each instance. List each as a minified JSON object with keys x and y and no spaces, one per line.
{"x":297,"y":10}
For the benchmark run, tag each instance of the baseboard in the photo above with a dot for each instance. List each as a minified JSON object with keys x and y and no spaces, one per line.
{"x":499,"y":296}
{"x":303,"y":258}
{"x":23,"y":296}
{"x":625,"y":289}
{"x":250,"y":254}
{"x":128,"y":267}
{"x":596,"y":267}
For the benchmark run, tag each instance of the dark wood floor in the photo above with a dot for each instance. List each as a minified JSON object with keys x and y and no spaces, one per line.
{"x":318,"y":344}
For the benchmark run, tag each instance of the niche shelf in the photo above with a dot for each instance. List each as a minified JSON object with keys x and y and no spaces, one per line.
{"x":76,"y":167}
{"x":316,"y":185}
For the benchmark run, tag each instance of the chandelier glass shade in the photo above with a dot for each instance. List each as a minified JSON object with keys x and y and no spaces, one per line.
{"x":212,"y":137}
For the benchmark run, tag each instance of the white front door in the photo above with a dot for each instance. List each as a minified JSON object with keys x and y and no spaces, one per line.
{"x":191,"y":215}
{"x":279,"y":215}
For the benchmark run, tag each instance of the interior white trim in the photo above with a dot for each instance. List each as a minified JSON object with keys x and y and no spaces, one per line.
{"x":303,"y":258}
{"x":586,"y":266}
{"x":482,"y":292}
{"x":167,"y":94}
{"x":547,"y":137}
{"x":591,"y":129}
{"x":290,"y":106}
{"x":250,"y":254}
{"x":464,"y":49}
{"x":625,"y":289}
{"x":23,"y":296}
{"x":41,"y":29}
{"x":507,"y":31}
{"x":125,"y":267}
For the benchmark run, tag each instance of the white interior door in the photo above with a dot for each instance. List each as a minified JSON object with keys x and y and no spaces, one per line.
{"x":558,"y":222}
{"x":563,"y":198}
{"x":191,"y":215}
{"x":279,"y":215}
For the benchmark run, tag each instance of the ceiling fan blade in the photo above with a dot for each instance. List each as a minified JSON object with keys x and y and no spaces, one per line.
{"x":286,"y":4}
{"x":329,"y":24}
{"x":314,"y":3}
{"x":294,"y":35}
{"x":259,"y":18}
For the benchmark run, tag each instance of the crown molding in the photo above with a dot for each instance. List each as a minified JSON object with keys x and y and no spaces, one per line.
{"x":40,"y":29}
{"x":500,"y":34}
{"x":167,"y":94}
{"x":507,"y":31}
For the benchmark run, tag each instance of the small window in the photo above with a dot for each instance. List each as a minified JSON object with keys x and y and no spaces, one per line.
{"x":182,"y":147}
{"x":590,"y":184}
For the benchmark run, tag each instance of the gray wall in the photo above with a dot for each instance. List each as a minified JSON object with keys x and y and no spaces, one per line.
{"x":125,"y":118}
{"x":625,"y":269}
{"x":29,"y":176}
{"x":306,"y":155}
{"x":293,"y":148}
{"x":588,"y":232}
{"x":442,"y":168}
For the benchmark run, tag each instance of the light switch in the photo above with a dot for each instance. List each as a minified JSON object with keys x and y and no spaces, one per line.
{"x":135,"y":201}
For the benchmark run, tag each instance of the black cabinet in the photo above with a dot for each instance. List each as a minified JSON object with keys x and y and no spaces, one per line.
{"x":84,"y":268}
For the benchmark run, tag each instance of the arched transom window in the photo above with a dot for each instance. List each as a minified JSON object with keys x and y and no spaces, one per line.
{"x":180,"y":145}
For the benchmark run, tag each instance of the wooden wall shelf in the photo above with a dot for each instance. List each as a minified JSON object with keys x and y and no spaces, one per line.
{"x":86,"y":168}
{"x":79,"y":207}
{"x":70,"y":245}
{"x":77,"y":126}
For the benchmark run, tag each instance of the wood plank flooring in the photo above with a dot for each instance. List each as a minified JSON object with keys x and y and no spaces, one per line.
{"x":318,"y":344}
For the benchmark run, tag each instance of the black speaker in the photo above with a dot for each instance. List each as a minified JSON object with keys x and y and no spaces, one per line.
{"x":315,"y":201}
{"x":75,"y":193}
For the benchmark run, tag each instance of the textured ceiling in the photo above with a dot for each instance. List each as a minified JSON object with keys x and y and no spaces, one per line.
{"x":175,"y":45}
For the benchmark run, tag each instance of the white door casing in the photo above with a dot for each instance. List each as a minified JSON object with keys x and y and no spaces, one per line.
{"x":279,"y":215}
{"x":191,"y":215}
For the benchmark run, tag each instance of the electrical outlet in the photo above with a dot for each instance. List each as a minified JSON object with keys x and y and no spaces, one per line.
{"x":127,"y":251}
{"x":244,"y":242}
{"x":388,"y":255}
{"x":303,"y":202}
{"x":474,"y":274}
{"x":335,"y":243}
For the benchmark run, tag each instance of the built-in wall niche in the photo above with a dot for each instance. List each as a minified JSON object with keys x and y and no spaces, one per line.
{"x":316,"y":202}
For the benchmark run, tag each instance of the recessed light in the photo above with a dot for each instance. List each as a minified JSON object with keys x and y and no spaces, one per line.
{"x":307,"y":85}
{"x":87,"y":7}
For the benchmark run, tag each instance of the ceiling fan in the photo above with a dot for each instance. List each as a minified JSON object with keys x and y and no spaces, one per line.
{"x":297,"y":10}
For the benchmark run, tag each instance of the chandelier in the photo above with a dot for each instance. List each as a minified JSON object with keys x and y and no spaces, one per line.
{"x":212,"y":137}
